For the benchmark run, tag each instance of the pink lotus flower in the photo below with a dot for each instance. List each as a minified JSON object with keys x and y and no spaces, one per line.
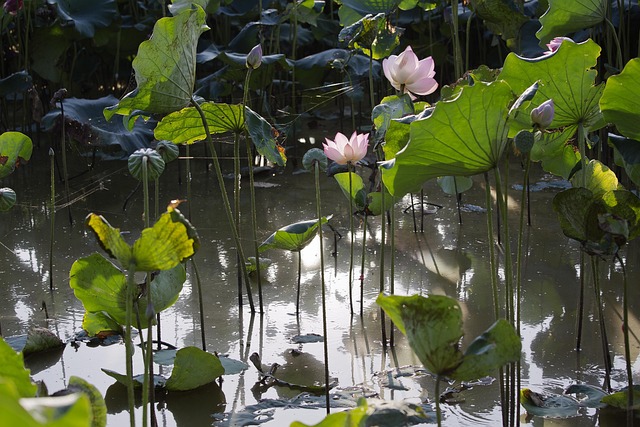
{"x":554,"y":44}
{"x":343,"y":150}
{"x":409,"y":75}
{"x":542,"y":115}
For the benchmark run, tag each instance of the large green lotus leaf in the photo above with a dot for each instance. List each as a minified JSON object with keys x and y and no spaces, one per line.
{"x":165,"y":67}
{"x":627,"y":154}
{"x":7,"y":199}
{"x":86,"y":125}
{"x":620,"y":102}
{"x":497,"y":346}
{"x":433,"y":326}
{"x":356,"y":192}
{"x":15,"y":149}
{"x":101,"y":287}
{"x":17,"y":82}
{"x":548,"y":405}
{"x":171,"y":240}
{"x":501,"y":16}
{"x":555,"y":153}
{"x":185,"y":126}
{"x":624,"y":205}
{"x":598,"y":178}
{"x":566,"y":76}
{"x":85,"y":16}
{"x":619,"y":399}
{"x":577,"y":210}
{"x":263,"y":136}
{"x":100,"y":323}
{"x":567,"y":16}
{"x":293,"y":237}
{"x":98,"y":406}
{"x":110,"y":239}
{"x":12,"y":370}
{"x":193,"y":368}
{"x":464,"y":136}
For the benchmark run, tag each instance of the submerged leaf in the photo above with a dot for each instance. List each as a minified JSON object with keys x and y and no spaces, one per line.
{"x":551,"y":406}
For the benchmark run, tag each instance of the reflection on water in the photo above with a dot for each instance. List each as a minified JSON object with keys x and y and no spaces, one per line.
{"x":447,"y":258}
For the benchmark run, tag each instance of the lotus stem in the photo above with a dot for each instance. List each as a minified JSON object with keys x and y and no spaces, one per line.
{"x":627,"y":346}
{"x":383,"y":235}
{"x":128,"y":345}
{"x":364,"y":251}
{"x":225,"y":200}
{"x":580,"y":304}
{"x":298,"y":287}
{"x":603,"y":330}
{"x":254,"y":225}
{"x":351,"y":232}
{"x":65,"y":170}
{"x":392,"y":270}
{"x":187,"y":155}
{"x":323,"y":287}
{"x":437,"y":399}
{"x":236,"y":207}
{"x":200,"y":303}
{"x":52,"y":212}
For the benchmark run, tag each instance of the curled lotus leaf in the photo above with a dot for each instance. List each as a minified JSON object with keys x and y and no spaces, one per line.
{"x":315,"y":156}
{"x":7,"y":199}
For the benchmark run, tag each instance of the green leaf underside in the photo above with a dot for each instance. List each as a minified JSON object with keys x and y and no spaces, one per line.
{"x":193,"y":368}
{"x":566,"y":76}
{"x":293,"y":237}
{"x":464,"y":136}
{"x":98,"y":405}
{"x":555,"y":153}
{"x":71,"y":410}
{"x":620,"y":102}
{"x":358,"y":193}
{"x":263,"y":137}
{"x":627,"y":155}
{"x":15,"y":149}
{"x":102,"y":289}
{"x":433,"y":326}
{"x":567,"y":16}
{"x":185,"y":126}
{"x":165,"y":66}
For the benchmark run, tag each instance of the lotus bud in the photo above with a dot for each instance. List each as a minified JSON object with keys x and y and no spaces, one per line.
{"x":554,"y":44}
{"x":542,"y":116}
{"x":254,"y":58}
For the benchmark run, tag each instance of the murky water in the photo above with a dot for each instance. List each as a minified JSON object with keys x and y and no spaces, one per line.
{"x":447,"y":258}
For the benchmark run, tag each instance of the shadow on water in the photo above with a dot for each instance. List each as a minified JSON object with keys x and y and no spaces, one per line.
{"x":448,"y":258}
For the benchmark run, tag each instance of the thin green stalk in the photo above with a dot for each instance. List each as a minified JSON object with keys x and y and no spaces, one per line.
{"x":52,"y":213}
{"x":324,"y":297}
{"x":128,"y":345}
{"x":371,"y":91}
{"x":364,"y":251}
{"x":383,"y":232}
{"x":392,"y":268}
{"x":351,"y":232}
{"x":225,"y":200}
{"x":603,"y":331}
{"x":65,"y":171}
{"x":491,"y":244}
{"x":457,"y":51}
{"x":187,"y":154}
{"x":298,"y":287}
{"x":200,"y":303}
{"x":523,"y":201}
{"x":580,"y":304}
{"x":254,"y":224}
{"x":437,"y":399}
{"x":619,"y":63}
{"x":236,"y":206}
{"x":627,"y":346}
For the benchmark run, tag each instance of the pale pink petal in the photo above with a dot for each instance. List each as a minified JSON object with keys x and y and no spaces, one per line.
{"x":348,"y":153}
{"x":405,"y":65}
{"x":341,"y":141}
{"x":386,"y":68}
{"x":427,"y":66}
{"x":334,"y":154}
{"x":423,"y":86}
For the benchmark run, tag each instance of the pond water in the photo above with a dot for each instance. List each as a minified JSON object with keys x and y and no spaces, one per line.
{"x":447,"y":258}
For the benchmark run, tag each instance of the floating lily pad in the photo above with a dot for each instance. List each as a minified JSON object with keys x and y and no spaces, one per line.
{"x":37,"y":340}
